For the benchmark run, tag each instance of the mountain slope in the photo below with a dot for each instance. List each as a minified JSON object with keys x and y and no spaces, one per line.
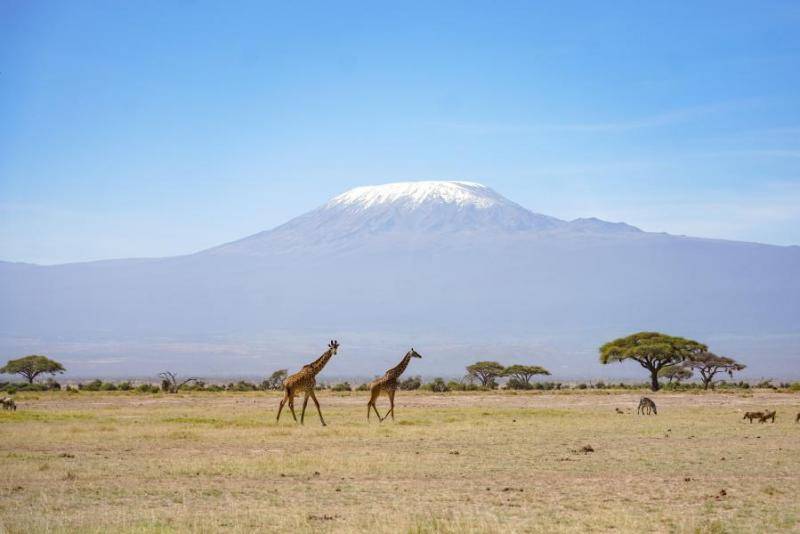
{"x":453,"y":266}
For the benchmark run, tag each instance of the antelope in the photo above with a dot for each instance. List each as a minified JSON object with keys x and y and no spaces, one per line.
{"x":647,"y":404}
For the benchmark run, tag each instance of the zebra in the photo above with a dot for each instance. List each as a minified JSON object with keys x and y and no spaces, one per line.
{"x":8,"y":404}
{"x":646,"y":404}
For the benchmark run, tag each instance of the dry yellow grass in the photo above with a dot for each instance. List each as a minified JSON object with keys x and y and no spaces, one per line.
{"x":477,"y":462}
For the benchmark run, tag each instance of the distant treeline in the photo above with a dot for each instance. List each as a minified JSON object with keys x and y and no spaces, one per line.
{"x":437,"y":385}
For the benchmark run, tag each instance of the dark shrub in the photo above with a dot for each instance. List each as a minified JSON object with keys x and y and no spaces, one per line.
{"x":411,"y":383}
{"x":343,"y":386}
{"x":516,"y":383}
{"x":437,"y":386}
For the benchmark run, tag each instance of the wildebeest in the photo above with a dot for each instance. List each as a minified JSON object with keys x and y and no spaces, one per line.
{"x":646,"y":404}
{"x":766,"y":416}
{"x":753,"y":415}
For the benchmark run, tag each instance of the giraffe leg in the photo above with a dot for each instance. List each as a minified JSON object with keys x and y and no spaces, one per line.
{"x":280,"y":406}
{"x":303,"y":412}
{"x":371,"y":404}
{"x":390,"y":394}
{"x":377,"y":413}
{"x":391,"y":402}
{"x":291,"y":407}
{"x":314,"y":398}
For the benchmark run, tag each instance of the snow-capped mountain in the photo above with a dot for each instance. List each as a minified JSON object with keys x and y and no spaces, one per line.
{"x":450,"y":266}
{"x":413,"y":209}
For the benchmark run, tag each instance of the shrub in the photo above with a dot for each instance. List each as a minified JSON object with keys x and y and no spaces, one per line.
{"x":108,"y":386}
{"x":242,"y":385}
{"x":363,"y":387}
{"x":124,"y":386}
{"x":52,"y":385}
{"x":94,"y":385}
{"x":343,"y":386}
{"x":437,"y":386}
{"x":516,"y":383}
{"x":147,"y":388}
{"x":411,"y":383}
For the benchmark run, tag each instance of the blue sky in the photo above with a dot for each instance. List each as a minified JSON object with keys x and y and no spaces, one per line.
{"x":159,"y":128}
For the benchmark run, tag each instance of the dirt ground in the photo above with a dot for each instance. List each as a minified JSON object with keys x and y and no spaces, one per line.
{"x":456,"y":462}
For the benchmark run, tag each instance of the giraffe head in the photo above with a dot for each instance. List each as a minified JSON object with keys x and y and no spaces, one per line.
{"x":334,"y":346}
{"x":414,"y":354}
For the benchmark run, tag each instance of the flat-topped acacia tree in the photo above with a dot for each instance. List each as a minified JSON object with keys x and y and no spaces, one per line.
{"x":652,"y":350}
{"x":675,"y":373}
{"x":485,"y":372}
{"x":709,"y":364}
{"x":32,"y":366}
{"x":524,"y":373}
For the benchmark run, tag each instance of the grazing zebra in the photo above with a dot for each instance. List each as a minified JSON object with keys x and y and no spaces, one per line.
{"x":766,"y":416}
{"x":753,"y":415}
{"x":646,"y":404}
{"x":8,"y":404}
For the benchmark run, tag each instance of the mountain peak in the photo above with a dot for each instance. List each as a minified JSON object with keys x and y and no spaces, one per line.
{"x":415,"y":193}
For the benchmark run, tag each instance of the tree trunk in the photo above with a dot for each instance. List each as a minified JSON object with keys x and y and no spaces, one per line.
{"x":654,"y":385}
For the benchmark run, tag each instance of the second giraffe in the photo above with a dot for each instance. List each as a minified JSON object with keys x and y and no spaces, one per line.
{"x":388,"y":384}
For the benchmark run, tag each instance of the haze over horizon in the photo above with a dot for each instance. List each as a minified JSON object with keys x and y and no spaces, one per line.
{"x":163,"y":129}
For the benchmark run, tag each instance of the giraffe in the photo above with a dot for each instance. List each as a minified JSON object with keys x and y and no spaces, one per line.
{"x":304,"y":380}
{"x":388,"y":383}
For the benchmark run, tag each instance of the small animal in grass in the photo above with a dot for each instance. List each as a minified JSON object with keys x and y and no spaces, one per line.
{"x":767,"y":416}
{"x":753,"y":415}
{"x":647,"y":405}
{"x":619,"y":411}
{"x":8,"y":404}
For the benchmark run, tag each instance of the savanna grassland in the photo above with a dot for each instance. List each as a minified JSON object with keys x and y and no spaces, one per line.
{"x":456,"y":462}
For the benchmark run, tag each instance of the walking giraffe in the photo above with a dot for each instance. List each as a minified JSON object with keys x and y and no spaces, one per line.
{"x":388,"y":384}
{"x":304,"y":380}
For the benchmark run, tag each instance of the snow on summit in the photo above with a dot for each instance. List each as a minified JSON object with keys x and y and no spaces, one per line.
{"x":462,"y":193}
{"x":412,"y":210}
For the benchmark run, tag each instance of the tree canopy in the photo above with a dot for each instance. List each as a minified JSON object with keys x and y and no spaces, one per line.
{"x":652,"y":350}
{"x":709,"y":364}
{"x":524,"y":373}
{"x":275,"y":380}
{"x":485,"y":372}
{"x":675,"y":373}
{"x":32,"y":366}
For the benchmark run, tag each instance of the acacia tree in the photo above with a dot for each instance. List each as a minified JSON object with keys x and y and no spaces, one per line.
{"x":675,"y":373}
{"x":651,"y":350}
{"x":169,"y":382}
{"x":524,"y":373}
{"x":32,"y":366}
{"x":709,"y":364}
{"x":485,"y":372}
{"x":275,"y":380}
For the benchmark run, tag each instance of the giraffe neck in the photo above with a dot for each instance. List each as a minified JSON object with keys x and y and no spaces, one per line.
{"x":394,"y":372}
{"x":317,"y":365}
